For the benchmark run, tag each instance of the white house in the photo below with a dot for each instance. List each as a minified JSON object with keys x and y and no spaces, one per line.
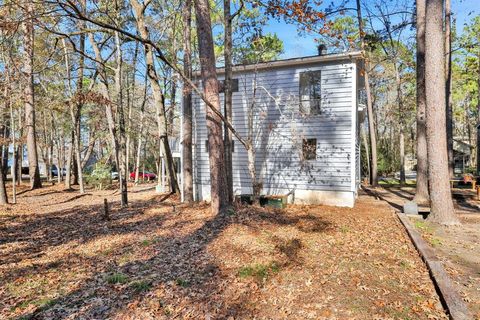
{"x":305,"y":123}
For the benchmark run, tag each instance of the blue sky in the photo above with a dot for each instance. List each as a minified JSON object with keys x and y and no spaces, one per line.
{"x":297,"y":46}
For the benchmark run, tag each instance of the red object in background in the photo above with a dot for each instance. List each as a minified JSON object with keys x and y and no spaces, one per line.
{"x":144,"y":175}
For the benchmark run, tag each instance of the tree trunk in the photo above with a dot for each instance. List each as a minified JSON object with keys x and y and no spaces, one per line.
{"x":28,"y":37}
{"x":68,"y":173}
{"x":448,"y":100}
{"x":14,"y":151}
{"x":140,"y":132}
{"x":402,"y":157}
{"x":108,"y":106}
{"x":401,"y":123}
{"x":187,"y":105}
{"x":371,"y":123}
{"x":218,"y":181}
{"x":130,"y":104}
{"x":421,"y":194}
{"x":440,"y":195}
{"x":227,"y":140}
{"x":478,"y":120}
{"x":75,"y":114}
{"x":157,"y":96}
{"x":122,"y":170}
{"x":74,"y":169}
{"x":367,"y":153}
{"x":3,"y":190}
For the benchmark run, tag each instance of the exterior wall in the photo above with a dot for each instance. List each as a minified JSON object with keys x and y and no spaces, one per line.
{"x":272,"y":97}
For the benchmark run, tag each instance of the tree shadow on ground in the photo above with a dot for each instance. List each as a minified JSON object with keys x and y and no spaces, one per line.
{"x":181,"y":272}
{"x":463,"y":203}
{"x":81,"y":223}
{"x":377,"y":195}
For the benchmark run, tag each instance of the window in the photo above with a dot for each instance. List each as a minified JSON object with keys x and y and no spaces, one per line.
{"x":309,"y":149}
{"x":310,"y":92}
{"x":221,"y":85}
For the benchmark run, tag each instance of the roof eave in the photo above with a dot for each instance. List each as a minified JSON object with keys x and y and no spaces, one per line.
{"x":354,"y":55}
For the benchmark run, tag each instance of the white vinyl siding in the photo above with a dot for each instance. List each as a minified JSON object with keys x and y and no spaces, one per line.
{"x":280,"y":128}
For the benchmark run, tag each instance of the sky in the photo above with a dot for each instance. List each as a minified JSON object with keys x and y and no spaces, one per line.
{"x":297,"y":46}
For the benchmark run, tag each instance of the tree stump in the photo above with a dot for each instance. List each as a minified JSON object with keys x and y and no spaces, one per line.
{"x":106,"y":213}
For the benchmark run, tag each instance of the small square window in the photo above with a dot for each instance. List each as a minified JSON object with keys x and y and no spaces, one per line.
{"x":310,"y":92}
{"x":309,"y":149}
{"x":221,"y":85}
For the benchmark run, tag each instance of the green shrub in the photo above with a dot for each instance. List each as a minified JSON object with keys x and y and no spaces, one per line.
{"x":101,"y":177}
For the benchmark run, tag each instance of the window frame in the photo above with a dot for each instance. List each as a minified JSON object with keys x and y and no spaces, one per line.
{"x":235,"y":85}
{"x":309,"y":149}
{"x":307,"y":80}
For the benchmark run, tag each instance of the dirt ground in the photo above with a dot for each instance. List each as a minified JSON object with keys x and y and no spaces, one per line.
{"x":457,"y":247}
{"x":159,"y":259}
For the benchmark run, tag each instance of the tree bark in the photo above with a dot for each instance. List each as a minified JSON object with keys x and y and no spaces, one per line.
{"x":14,"y":151}
{"x":371,"y":123}
{"x":448,"y":100}
{"x":228,"y":55}
{"x":68,"y":171}
{"x":421,"y":194}
{"x":140,"y":131}
{"x":76,"y":108}
{"x":401,"y":123}
{"x":442,"y":210}
{"x":3,"y":190}
{"x":157,"y":96}
{"x":367,"y":152}
{"x":187,"y":105}
{"x":130,"y":104}
{"x":402,"y":157}
{"x":28,"y":38}
{"x":478,"y":119}
{"x":218,"y":181}
{"x":122,"y":170}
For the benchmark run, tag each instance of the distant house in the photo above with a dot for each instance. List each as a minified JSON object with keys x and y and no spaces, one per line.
{"x":305,"y":123}
{"x":462,"y":153}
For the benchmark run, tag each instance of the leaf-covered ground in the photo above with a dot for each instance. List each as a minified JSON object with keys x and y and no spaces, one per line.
{"x":159,"y":259}
{"x":457,"y":247}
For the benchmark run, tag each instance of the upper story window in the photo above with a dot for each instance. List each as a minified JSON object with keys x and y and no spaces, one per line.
{"x":310,"y":92}
{"x":221,"y":85}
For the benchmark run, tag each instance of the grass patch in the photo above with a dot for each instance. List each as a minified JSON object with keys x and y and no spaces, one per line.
{"x":146,"y":242}
{"x":404,"y":264}
{"x":182,"y":282}
{"x":45,"y":303}
{"x":117,"y":278}
{"x":42,"y":304}
{"x":421,"y":225}
{"x":344,"y":229}
{"x":260,"y":272}
{"x":435,"y":242}
{"x":140,"y":286}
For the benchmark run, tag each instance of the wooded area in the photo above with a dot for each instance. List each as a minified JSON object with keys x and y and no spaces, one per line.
{"x":94,"y":87}
{"x":116,"y":115}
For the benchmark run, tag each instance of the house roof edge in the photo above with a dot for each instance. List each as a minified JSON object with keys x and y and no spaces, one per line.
{"x":352,"y":55}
